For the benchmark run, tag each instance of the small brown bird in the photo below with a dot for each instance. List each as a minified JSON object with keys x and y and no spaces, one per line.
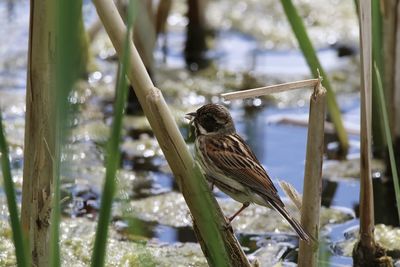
{"x":229,"y":163}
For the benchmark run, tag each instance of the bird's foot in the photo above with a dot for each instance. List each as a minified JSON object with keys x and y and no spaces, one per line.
{"x":228,"y":225}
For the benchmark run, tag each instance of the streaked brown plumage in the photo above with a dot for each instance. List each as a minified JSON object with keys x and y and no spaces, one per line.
{"x":229,"y":163}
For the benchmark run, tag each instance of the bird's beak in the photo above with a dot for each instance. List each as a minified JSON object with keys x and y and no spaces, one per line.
{"x":190,"y":116}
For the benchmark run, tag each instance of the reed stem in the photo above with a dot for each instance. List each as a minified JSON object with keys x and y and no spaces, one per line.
{"x":366,"y":191}
{"x":266,"y":90}
{"x":308,"y":252}
{"x":40,"y":134}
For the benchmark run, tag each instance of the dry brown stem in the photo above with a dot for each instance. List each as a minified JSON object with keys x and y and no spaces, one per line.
{"x":308,"y":252}
{"x":270,"y":89}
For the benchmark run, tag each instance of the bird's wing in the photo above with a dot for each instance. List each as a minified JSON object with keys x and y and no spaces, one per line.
{"x":235,"y":159}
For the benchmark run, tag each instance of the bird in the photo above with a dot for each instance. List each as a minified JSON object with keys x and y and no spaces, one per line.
{"x":229,"y":163}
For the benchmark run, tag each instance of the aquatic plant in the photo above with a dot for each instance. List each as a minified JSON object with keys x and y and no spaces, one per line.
{"x":313,"y":62}
{"x":113,"y":155}
{"x":20,"y":248}
{"x":367,"y":252}
{"x":388,"y":136}
{"x":379,"y":141}
{"x":384,"y":126}
{"x":40,"y":151}
{"x":308,"y":253}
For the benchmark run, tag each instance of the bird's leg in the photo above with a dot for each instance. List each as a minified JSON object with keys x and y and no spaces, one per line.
{"x":212,"y":186}
{"x":245,"y":205}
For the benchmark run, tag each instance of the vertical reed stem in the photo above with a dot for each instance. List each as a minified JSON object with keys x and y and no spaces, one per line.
{"x":308,"y":253}
{"x":40,"y":145}
{"x":366,"y":190}
{"x":366,"y":251}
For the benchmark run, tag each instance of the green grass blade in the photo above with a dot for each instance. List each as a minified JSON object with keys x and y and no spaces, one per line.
{"x":113,"y":155}
{"x":20,"y":249}
{"x":69,"y":66}
{"x":388,"y":136}
{"x":313,"y":62}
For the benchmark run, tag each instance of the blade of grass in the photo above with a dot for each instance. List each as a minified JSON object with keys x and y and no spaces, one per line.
{"x":68,"y":69}
{"x":20,"y":250}
{"x":313,"y":62}
{"x":113,"y":154}
{"x":385,"y":126}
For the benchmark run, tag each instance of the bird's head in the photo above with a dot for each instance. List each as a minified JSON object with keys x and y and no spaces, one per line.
{"x":211,"y":119}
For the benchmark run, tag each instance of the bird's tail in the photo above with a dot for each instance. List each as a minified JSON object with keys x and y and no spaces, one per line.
{"x":301,"y":232}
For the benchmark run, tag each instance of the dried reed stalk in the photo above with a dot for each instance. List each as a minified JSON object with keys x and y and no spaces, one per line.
{"x":366,"y":252}
{"x":218,"y":243}
{"x":270,"y":89}
{"x":308,"y":253}
{"x":366,"y":191}
{"x":40,"y":139}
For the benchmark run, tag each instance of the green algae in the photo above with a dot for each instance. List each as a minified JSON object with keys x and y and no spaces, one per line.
{"x":387,"y":236}
{"x":170,"y":209}
{"x":77,"y":236}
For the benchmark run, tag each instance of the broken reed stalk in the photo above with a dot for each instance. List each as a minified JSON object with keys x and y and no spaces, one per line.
{"x":255,"y":92}
{"x":266,"y":90}
{"x":366,"y":251}
{"x":308,"y":253}
{"x":219,"y":245}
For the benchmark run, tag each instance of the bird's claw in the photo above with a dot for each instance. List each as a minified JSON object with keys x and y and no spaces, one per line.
{"x":228,"y":225}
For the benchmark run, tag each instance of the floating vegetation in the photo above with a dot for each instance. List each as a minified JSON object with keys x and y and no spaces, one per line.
{"x":387,"y":236}
{"x":170,"y":209}
{"x":77,"y":237}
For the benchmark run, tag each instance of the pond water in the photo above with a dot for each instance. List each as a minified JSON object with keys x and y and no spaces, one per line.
{"x":275,"y":129}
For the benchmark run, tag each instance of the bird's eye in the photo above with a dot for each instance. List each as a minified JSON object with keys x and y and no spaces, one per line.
{"x":209,"y":123}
